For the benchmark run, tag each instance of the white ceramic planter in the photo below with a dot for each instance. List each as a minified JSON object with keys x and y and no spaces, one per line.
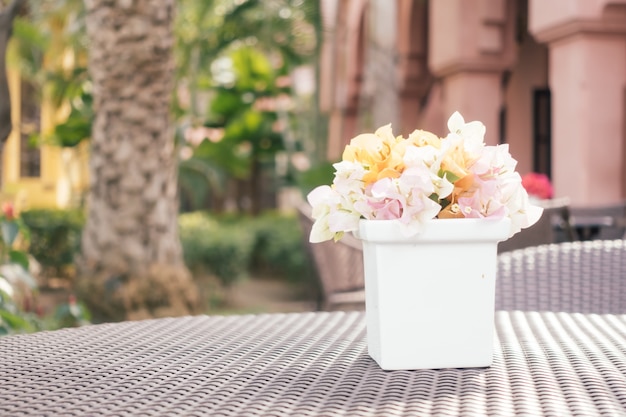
{"x":430,"y":298}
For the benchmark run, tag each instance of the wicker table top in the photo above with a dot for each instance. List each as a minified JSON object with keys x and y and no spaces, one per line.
{"x":308,"y":364}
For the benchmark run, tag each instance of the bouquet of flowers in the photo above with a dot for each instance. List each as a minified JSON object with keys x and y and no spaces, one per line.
{"x":419,"y":178}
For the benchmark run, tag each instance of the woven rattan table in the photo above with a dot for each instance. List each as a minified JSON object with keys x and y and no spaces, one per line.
{"x":308,"y":364}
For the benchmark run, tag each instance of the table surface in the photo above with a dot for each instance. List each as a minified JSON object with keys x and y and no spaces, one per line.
{"x":308,"y":364}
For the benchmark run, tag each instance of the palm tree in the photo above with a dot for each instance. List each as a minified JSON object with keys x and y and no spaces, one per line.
{"x":6,"y":23}
{"x":131,"y":264}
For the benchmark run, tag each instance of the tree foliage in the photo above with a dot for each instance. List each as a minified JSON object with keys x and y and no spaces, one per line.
{"x":235,"y":58}
{"x":231,"y":58}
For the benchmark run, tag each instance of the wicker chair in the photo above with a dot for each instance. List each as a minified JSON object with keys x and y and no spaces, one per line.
{"x":578,"y":277}
{"x":339,"y":267}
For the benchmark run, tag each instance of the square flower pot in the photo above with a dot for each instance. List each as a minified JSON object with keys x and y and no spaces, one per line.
{"x":430,"y":297}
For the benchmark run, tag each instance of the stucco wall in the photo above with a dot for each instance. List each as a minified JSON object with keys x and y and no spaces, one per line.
{"x":529,"y":72}
{"x":587,"y":76}
{"x":544,"y":15}
{"x":576,"y":48}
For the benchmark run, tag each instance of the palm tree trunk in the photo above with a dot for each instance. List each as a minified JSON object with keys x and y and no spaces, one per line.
{"x":131,"y":262}
{"x":6,"y":24}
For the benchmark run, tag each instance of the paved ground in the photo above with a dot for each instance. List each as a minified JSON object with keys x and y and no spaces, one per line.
{"x":253,"y":295}
{"x":267,"y":295}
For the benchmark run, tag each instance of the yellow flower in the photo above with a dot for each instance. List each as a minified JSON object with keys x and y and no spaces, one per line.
{"x":377,"y":153}
{"x":419,"y":138}
{"x":456,"y":160}
{"x":424,"y":138}
{"x":463,"y":187}
{"x":451,"y":211}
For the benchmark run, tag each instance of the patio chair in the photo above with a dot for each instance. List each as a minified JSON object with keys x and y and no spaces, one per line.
{"x":339,"y":267}
{"x":575,"y":277}
{"x":552,"y":227}
{"x":602,"y":222}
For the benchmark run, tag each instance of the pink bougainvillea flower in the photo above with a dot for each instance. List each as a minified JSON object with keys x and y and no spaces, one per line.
{"x":387,"y":209}
{"x":387,"y":177}
{"x":386,"y":202}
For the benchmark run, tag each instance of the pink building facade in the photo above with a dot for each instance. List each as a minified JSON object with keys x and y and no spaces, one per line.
{"x":546,"y":77}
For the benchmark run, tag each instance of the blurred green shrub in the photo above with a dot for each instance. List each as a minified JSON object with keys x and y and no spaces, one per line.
{"x":224,"y":249}
{"x":322,"y":173}
{"x":278,"y":248}
{"x":73,"y":313}
{"x":54,"y":236}
{"x":22,"y":313}
{"x":16,"y":319}
{"x":13,"y":319}
{"x":233,"y":246}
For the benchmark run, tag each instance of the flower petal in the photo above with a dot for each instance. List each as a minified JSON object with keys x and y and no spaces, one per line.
{"x":456,"y":122}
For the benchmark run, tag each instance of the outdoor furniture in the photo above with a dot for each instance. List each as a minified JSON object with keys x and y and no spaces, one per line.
{"x":308,"y":364}
{"x":339,"y":267}
{"x":552,"y":227}
{"x":581,"y":277}
{"x":602,"y":222}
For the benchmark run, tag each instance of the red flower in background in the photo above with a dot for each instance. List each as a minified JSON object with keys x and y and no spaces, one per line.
{"x":538,"y":185}
{"x":8,"y":211}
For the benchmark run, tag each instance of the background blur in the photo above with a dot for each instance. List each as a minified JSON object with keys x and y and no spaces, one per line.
{"x":263,"y":95}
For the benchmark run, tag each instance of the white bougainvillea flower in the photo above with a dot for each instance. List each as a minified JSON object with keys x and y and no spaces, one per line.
{"x":430,"y":157}
{"x":320,"y":199}
{"x":383,"y":177}
{"x":333,"y":213}
{"x":341,"y":221}
{"x":473,"y":133}
{"x":422,"y":156}
{"x":519,"y":210}
{"x":348,"y":177}
{"x":443,"y":186}
{"x":495,"y":160}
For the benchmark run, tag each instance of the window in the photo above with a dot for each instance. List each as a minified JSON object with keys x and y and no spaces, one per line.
{"x":542,"y":132}
{"x":30,"y":154}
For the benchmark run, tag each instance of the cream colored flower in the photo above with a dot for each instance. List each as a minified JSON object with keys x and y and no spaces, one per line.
{"x":420,"y":178}
{"x":376,"y":152}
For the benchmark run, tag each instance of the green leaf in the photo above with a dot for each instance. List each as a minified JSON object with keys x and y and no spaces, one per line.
{"x":253,"y":69}
{"x":19,"y":257}
{"x":223,"y":155}
{"x":320,"y":174}
{"x":9,"y":231}
{"x":227,"y":102}
{"x":15,"y":322}
{"x":73,"y":131}
{"x":449,"y":175}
